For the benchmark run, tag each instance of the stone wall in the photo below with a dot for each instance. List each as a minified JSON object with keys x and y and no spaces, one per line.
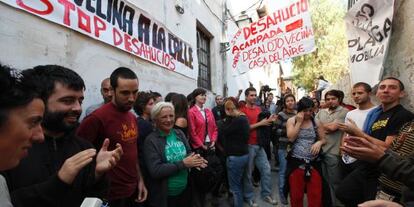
{"x":400,"y":60}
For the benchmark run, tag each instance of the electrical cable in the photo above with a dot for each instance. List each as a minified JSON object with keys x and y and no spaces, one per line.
{"x":250,"y":7}
{"x":213,"y":12}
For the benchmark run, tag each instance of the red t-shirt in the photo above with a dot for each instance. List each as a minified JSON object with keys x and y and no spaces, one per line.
{"x":119,"y":127}
{"x":252,"y":115}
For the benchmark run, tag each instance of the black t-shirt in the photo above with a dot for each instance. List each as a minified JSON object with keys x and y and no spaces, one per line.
{"x":218,"y":112}
{"x":389,"y":122}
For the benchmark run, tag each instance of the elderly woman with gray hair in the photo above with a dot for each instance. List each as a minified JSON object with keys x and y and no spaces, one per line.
{"x":168,"y":158}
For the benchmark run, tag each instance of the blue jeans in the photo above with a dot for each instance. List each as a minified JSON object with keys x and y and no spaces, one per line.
{"x":258,"y":157}
{"x":236,"y":169}
{"x":282,"y":169}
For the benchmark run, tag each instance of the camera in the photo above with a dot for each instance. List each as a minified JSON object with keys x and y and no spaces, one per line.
{"x":266,"y":88}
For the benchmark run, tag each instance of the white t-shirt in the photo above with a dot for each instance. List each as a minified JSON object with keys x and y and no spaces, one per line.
{"x":322,"y":85}
{"x":4,"y":193}
{"x":203,"y":112}
{"x":358,"y":116}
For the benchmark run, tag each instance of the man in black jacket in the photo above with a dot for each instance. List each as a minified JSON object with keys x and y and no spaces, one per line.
{"x":396,"y":163}
{"x":64,"y":169}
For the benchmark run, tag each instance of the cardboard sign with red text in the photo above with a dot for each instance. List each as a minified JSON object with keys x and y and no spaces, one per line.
{"x":120,"y":24}
{"x":285,"y":33}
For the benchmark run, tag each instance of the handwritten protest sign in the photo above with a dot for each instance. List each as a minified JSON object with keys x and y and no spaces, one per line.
{"x":369,"y":31}
{"x":120,"y":24}
{"x":283,"y":34}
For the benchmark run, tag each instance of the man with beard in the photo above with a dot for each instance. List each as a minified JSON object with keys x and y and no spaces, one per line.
{"x":62,"y":170}
{"x":329,"y":119}
{"x":114,"y":120}
{"x":218,"y":110}
{"x":381,"y":127}
{"x":106,"y":95}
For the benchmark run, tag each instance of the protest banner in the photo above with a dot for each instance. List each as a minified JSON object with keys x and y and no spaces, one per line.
{"x":368,"y":25}
{"x":285,"y":33}
{"x":120,"y":24}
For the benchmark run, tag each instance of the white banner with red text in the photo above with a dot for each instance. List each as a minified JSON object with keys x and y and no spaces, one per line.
{"x":368,"y":25}
{"x":285,"y":33}
{"x":120,"y":24}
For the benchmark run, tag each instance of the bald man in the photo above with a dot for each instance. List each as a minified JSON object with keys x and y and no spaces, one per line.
{"x":106,"y":95}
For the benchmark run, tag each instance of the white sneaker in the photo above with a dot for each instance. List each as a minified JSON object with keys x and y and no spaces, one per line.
{"x":270,"y":200}
{"x":251,"y":203}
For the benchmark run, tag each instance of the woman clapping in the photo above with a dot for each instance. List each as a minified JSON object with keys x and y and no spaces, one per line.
{"x":168,"y":158}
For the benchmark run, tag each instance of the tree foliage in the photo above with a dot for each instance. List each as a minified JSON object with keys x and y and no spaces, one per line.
{"x":330,"y":59}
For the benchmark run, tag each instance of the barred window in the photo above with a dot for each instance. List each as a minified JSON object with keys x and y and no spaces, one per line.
{"x":204,"y":66}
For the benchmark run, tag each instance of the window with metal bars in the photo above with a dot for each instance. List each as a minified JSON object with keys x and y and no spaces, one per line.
{"x":204,"y":65}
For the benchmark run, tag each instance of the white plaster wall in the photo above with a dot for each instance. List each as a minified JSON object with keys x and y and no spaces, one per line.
{"x":27,"y":41}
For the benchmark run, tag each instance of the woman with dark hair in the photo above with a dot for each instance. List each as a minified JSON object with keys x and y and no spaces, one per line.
{"x":202,"y":131}
{"x":289,"y":103}
{"x":21,"y":113}
{"x":169,"y":96}
{"x":202,"y":126}
{"x":235,"y":133}
{"x":303,"y":166}
{"x":181,"y":109}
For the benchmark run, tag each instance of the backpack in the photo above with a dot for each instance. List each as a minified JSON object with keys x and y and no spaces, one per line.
{"x":206,"y":179}
{"x":264,"y":133}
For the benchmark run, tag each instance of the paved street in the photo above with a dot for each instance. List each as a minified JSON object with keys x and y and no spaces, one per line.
{"x":223,"y":202}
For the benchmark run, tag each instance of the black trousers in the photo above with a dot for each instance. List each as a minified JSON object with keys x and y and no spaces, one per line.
{"x":182,"y":200}
{"x":359,"y":186}
{"x":346,"y":169}
{"x":125,"y":202}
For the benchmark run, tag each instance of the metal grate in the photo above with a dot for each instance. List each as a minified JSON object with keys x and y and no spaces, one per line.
{"x":204,"y":66}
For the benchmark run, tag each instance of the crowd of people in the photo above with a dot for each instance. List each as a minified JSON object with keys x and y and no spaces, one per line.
{"x":136,"y":148}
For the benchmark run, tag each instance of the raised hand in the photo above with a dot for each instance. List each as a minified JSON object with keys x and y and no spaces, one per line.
{"x":106,"y":160}
{"x":300,"y":117}
{"x":266,"y":122}
{"x":73,"y":165}
{"x":362,"y":149}
{"x":350,"y":128}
